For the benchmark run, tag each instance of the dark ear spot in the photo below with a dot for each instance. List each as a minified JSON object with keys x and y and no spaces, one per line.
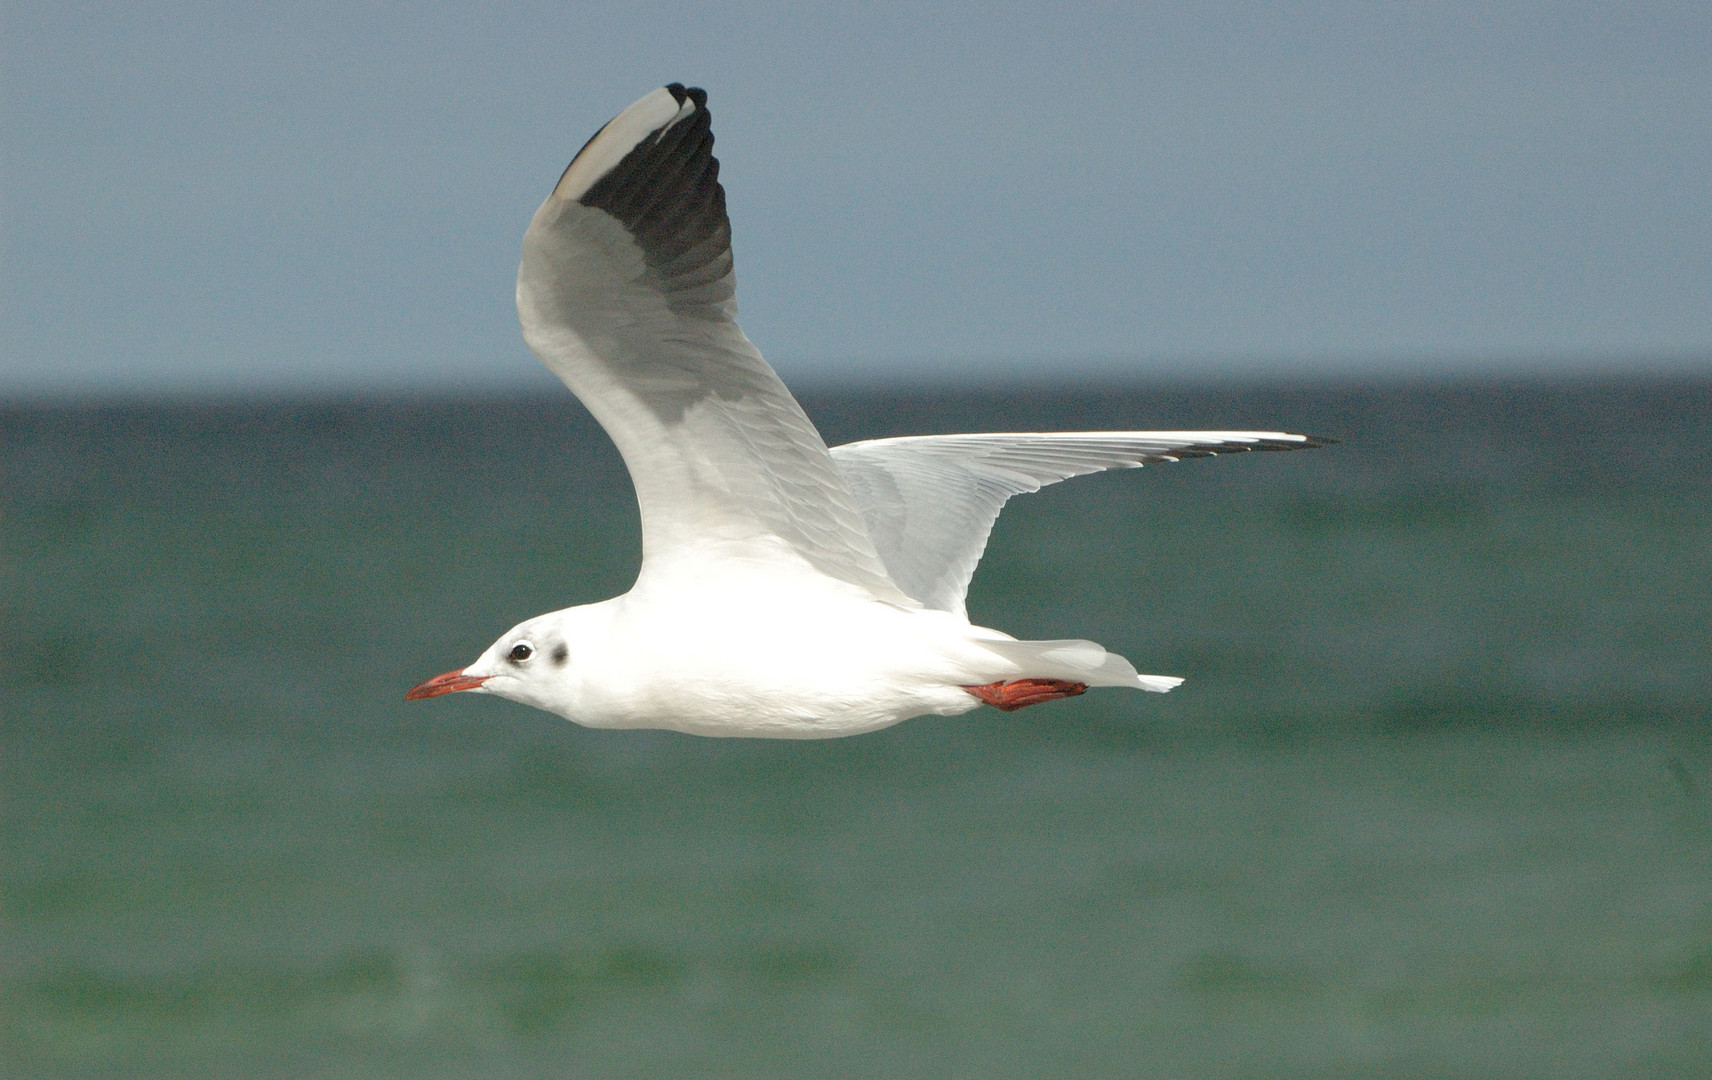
{"x":560,"y":654}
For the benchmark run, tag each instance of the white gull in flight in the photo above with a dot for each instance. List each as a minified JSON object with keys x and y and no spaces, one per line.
{"x":786,"y":590}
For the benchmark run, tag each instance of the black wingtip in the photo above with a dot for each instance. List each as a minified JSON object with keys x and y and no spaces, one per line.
{"x":694,"y":93}
{"x":1309,"y":442}
{"x":665,"y":192}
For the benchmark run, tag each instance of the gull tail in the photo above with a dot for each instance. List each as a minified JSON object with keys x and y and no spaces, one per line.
{"x":1074,"y":660}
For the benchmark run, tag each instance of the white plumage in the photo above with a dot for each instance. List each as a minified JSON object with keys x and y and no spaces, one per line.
{"x":929,"y":501}
{"x":785,"y":590}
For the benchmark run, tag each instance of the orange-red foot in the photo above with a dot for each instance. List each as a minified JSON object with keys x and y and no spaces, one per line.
{"x":1020,"y":694}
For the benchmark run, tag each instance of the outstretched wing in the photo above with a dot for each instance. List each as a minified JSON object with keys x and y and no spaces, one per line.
{"x":930,"y":501}
{"x":626,"y":292}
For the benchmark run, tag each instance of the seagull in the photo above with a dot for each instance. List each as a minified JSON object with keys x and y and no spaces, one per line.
{"x":786,"y":590}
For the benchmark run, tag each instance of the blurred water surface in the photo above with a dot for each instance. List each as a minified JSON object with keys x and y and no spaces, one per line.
{"x":1433,"y":802}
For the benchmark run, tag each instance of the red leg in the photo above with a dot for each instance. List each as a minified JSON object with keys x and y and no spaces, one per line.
{"x":1011,"y":696}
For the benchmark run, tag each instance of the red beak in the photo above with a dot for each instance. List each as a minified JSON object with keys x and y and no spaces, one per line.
{"x":445,"y":684}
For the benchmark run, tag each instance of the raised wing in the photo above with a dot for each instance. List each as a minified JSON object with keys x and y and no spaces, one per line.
{"x":626,"y":292}
{"x":930,"y":501}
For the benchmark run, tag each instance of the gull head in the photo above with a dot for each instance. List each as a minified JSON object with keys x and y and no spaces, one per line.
{"x":532,"y":663}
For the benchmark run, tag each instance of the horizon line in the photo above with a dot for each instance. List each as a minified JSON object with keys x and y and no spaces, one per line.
{"x":934,"y":378}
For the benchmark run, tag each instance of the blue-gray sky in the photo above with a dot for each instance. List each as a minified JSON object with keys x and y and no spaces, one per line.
{"x":212,"y":197}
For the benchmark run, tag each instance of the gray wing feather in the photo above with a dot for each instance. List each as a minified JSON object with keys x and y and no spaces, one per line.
{"x":930,"y":501}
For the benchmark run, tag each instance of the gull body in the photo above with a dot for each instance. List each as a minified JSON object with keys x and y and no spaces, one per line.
{"x":786,"y":590}
{"x":780,"y":655}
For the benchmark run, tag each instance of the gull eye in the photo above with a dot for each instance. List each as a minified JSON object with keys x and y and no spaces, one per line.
{"x":521,"y":652}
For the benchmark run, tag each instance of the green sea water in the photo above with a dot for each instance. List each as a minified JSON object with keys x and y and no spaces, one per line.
{"x":1435,"y":800}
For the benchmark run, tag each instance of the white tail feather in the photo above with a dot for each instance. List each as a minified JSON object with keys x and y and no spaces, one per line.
{"x":1075,"y":660}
